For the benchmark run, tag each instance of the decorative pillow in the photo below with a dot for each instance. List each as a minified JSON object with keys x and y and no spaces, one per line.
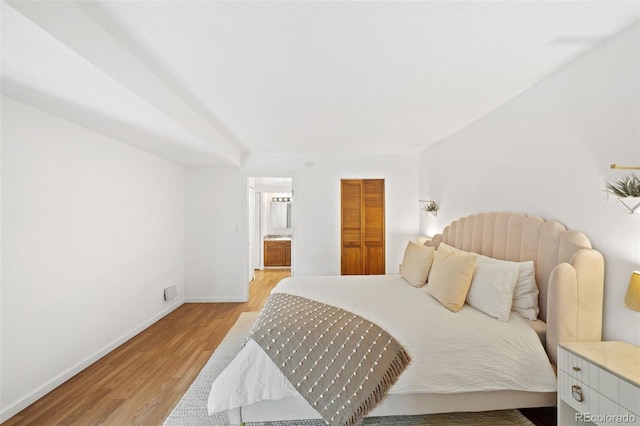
{"x":416,"y":264}
{"x":451,"y":249}
{"x":450,"y":278}
{"x":525,"y":295}
{"x":492,"y":287}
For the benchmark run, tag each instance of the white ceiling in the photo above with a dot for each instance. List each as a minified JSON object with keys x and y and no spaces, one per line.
{"x":208,"y":82}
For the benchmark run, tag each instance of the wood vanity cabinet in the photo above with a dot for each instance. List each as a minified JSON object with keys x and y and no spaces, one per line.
{"x":277,"y":253}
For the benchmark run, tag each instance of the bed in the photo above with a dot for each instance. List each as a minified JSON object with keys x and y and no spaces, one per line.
{"x":460,"y":361}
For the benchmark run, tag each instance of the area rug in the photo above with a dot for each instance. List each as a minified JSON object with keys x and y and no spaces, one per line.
{"x":192,"y":408}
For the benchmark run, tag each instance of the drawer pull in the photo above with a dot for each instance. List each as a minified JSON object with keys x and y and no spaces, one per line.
{"x":576,"y":391}
{"x":576,"y":368}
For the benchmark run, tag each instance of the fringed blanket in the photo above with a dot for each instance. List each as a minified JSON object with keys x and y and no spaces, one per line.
{"x":339,"y":362}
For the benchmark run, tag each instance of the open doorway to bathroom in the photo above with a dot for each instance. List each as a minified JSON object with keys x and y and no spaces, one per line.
{"x":270,"y":227}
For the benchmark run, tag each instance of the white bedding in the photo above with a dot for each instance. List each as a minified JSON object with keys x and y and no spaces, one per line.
{"x":450,"y":352}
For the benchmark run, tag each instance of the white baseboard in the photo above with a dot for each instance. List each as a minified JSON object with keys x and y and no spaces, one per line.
{"x":14,"y":408}
{"x":214,"y":300}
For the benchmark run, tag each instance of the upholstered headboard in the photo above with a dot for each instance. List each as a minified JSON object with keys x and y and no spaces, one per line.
{"x":569,"y":272}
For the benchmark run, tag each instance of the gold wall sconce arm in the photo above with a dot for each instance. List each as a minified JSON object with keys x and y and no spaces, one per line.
{"x":615,"y":166}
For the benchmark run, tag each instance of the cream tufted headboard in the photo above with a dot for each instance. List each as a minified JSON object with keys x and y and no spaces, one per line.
{"x":569,"y":273}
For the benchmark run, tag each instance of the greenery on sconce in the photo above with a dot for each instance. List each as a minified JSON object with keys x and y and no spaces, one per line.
{"x":431,"y":207}
{"x":627,"y":186}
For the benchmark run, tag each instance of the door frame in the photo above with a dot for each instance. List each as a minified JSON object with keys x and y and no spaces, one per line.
{"x":248,"y":262}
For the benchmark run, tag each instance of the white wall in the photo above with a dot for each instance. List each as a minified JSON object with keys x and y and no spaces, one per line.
{"x":92,"y":231}
{"x":547,"y":152}
{"x":215,"y":254}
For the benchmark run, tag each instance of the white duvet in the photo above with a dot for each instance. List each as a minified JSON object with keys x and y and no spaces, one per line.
{"x":450,"y":352}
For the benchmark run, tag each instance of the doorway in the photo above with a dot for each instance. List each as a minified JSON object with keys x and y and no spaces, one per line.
{"x":270,"y":224}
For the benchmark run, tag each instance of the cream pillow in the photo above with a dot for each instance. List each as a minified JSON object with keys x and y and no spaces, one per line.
{"x":450,"y":278}
{"x":416,"y":264}
{"x":451,"y":249}
{"x":492,"y":287}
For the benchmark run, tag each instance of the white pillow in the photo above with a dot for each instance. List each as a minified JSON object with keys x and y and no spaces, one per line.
{"x":525,"y":295}
{"x":416,"y":264}
{"x":492,"y":287}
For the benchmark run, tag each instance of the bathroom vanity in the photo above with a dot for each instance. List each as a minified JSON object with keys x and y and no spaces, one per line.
{"x":277,"y":251}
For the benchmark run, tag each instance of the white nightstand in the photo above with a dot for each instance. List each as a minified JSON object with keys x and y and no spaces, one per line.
{"x":598,"y":383}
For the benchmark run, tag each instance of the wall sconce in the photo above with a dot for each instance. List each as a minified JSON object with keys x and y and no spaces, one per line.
{"x":281,"y":199}
{"x":632,"y":299}
{"x":615,"y":166}
{"x":430,"y":208}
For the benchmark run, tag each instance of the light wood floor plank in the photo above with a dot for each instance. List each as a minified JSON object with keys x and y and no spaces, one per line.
{"x":141,"y":381}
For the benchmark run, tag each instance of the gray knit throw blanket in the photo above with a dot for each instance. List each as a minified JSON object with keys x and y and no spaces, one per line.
{"x":339,"y":362}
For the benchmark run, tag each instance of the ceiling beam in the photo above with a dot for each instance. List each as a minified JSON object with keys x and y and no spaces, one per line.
{"x":67,"y":22}
{"x":182,"y":152}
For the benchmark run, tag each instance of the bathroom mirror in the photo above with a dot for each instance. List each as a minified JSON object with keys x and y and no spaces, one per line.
{"x":280,"y":214}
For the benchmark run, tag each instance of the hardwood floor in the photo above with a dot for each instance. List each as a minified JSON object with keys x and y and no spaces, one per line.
{"x":140,"y":382}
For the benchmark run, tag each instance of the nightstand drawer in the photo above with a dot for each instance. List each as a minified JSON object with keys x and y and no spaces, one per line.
{"x":608,"y":385}
{"x":629,"y":397}
{"x":574,"y":366}
{"x":598,"y":383}
{"x":578,"y":395}
{"x":608,"y":411}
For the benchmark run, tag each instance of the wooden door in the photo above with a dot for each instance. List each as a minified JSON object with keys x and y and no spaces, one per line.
{"x":373,"y":208}
{"x":352,"y":227}
{"x":362,"y":227}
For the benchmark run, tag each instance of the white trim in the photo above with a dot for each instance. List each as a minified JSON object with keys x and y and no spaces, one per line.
{"x":14,"y":408}
{"x":214,"y":300}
